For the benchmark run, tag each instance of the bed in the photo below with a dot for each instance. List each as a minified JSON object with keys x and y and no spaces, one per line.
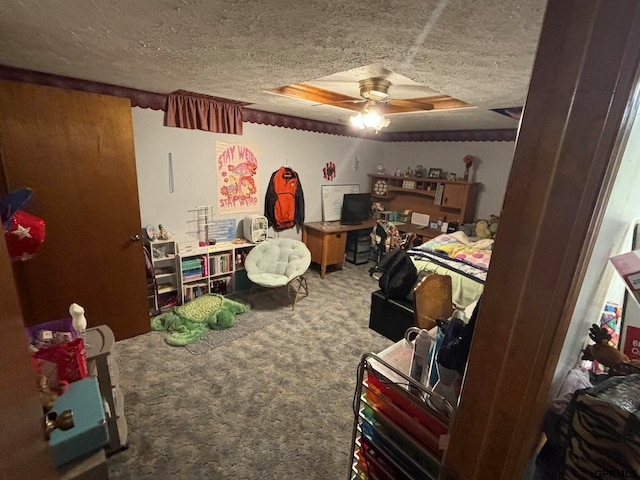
{"x":464,"y":259}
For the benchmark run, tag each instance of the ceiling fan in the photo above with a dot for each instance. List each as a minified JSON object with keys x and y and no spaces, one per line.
{"x":375,"y":93}
{"x":375,"y":102}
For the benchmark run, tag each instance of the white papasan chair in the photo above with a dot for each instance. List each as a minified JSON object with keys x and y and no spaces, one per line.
{"x":279,"y":262}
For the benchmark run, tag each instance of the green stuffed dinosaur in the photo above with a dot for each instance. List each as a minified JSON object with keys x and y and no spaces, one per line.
{"x":188,"y":323}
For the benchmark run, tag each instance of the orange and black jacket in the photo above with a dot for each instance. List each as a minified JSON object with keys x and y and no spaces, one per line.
{"x":284,"y":200}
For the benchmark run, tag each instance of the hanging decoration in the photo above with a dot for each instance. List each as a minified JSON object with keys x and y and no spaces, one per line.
{"x":237,"y":177}
{"x":23,"y":232}
{"x":468,"y":161}
{"x":329,"y":171}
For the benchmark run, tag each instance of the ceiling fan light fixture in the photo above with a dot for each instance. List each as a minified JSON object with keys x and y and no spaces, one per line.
{"x":369,"y":118}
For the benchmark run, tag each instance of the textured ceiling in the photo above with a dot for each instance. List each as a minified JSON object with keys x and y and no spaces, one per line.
{"x":478,"y":51}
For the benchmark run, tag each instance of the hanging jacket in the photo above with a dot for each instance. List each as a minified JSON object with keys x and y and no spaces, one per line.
{"x":284,"y":200}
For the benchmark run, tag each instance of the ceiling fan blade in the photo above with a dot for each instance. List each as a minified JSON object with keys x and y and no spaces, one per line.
{"x":411,"y":104}
{"x":354,"y":100}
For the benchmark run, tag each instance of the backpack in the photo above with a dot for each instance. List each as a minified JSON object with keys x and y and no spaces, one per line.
{"x":399,"y":274}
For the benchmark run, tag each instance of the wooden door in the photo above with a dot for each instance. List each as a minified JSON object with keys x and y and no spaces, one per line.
{"x":75,"y":150}
{"x":25,"y":452}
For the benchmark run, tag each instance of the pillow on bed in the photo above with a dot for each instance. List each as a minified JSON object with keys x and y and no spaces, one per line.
{"x":484,"y":244}
{"x":444,"y":239}
{"x":474,"y":256}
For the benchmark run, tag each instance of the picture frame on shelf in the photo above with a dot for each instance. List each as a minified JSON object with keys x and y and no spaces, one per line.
{"x":435,"y":172}
{"x":452,"y":176}
{"x":409,"y":184}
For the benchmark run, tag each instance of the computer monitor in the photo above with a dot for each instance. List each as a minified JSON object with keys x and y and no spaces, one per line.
{"x":356,"y":208}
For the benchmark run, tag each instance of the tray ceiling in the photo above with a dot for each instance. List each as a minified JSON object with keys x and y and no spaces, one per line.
{"x":478,"y":52}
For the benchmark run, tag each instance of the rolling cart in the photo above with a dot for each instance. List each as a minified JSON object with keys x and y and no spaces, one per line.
{"x":401,"y":427}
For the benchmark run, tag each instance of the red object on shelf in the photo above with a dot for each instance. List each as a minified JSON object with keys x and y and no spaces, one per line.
{"x":70,"y":358}
{"x":24,"y":236}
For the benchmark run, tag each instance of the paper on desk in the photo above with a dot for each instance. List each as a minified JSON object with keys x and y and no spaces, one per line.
{"x":420,"y":219}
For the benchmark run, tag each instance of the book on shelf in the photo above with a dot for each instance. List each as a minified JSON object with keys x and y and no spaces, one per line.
{"x":193,"y":268}
{"x":439,"y":192}
{"x":190,"y":292}
{"x":221,"y":285}
{"x":191,"y":274}
{"x":221,"y":263}
{"x":241,"y":256}
{"x":192,"y":263}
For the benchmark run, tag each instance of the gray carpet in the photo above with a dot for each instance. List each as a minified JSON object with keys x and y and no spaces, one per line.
{"x":271,"y":404}
{"x":267,"y":306}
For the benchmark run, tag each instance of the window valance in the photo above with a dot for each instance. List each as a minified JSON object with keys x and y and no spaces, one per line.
{"x":203,"y":112}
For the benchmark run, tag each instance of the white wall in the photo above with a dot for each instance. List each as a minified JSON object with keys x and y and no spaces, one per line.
{"x":491,"y":167}
{"x":193,"y":155}
{"x":601,"y":283}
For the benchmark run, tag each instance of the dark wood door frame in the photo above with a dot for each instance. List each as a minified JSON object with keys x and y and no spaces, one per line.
{"x":575,"y":122}
{"x":25,"y":452}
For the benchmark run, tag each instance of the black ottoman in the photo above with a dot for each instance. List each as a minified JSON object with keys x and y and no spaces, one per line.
{"x":390,"y":318}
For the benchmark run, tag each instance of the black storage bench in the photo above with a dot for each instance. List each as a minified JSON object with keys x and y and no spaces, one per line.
{"x":390,"y":318}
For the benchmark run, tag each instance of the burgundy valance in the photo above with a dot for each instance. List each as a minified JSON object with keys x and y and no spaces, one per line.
{"x":202,"y":112}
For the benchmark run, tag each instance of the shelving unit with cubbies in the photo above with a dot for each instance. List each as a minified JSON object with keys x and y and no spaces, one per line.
{"x":213,"y":269}
{"x":194,"y":275}
{"x":165,"y":270}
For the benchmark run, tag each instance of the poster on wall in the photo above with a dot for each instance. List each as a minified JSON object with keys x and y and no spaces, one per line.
{"x":237,"y":177}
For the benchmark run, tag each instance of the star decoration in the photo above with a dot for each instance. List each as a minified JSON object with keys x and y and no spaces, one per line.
{"x":22,"y":232}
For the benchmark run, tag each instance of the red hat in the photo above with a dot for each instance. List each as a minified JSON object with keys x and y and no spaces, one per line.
{"x":23,"y":232}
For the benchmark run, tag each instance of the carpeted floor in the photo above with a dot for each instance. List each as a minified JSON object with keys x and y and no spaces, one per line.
{"x":264,"y":303}
{"x":274,"y":403}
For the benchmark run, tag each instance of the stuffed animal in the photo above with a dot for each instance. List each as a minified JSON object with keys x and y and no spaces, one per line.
{"x":482,"y":229}
{"x":493,"y":224}
{"x":469,"y":229}
{"x":189,"y":322}
{"x":608,"y":355}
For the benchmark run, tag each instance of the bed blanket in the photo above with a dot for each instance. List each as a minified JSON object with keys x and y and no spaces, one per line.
{"x":472,"y":272}
{"x":459,"y":247}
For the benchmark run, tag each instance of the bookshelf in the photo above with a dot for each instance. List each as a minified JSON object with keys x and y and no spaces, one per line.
{"x":213,"y":269}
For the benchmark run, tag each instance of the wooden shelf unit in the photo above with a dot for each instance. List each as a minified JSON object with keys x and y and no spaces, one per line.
{"x":448,"y":200}
{"x":214,"y":269}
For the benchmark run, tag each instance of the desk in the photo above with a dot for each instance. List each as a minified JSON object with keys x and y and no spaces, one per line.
{"x":327,"y":241}
{"x":423,"y":233}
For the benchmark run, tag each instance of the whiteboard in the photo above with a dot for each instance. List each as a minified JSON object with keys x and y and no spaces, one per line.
{"x":332,"y":200}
